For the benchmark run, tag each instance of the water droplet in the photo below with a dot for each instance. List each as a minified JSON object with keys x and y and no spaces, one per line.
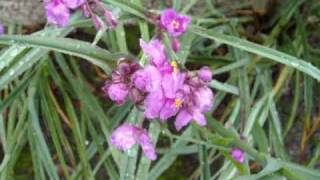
{"x":130,"y":153}
{"x":294,"y":64}
{"x":14,"y":52}
{"x":86,"y":142}
{"x":11,"y":72}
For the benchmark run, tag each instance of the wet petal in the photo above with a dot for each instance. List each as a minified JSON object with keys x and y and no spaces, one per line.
{"x":199,"y":118}
{"x":118,"y":92}
{"x":155,"y":51}
{"x":238,"y":155}
{"x":57,"y":13}
{"x":204,"y":98}
{"x":205,"y":74}
{"x":124,"y":137}
{"x":183,"y":118}
{"x":168,"y":110}
{"x":147,"y":145}
{"x":153,"y":104}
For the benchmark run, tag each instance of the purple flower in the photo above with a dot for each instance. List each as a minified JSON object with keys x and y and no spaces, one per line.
{"x":120,"y":85}
{"x":153,"y":103}
{"x":170,"y":108}
{"x":155,"y":52}
{"x":237,"y":154}
{"x":172,"y":86}
{"x":174,"y":23}
{"x":126,"y":136}
{"x":1,"y":29}
{"x":57,"y":13}
{"x":166,"y":97}
{"x":185,"y":116}
{"x":175,"y":44}
{"x":146,"y":145}
{"x":117,"y":92}
{"x":198,"y":99}
{"x":73,"y":4}
{"x":110,"y":19}
{"x":171,"y":83}
{"x":147,"y":79}
{"x":204,"y":99}
{"x":205,"y":74}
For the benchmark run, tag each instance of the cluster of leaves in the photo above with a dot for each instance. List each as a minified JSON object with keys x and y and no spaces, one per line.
{"x":52,"y":108}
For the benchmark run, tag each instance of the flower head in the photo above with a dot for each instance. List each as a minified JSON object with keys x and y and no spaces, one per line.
{"x":174,"y":23}
{"x":57,"y":13}
{"x":198,"y":99}
{"x":127,"y":135}
{"x":237,"y":154}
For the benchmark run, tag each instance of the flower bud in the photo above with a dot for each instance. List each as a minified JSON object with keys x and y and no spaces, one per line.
{"x":110,"y":19}
{"x":205,"y":74}
{"x":238,"y":155}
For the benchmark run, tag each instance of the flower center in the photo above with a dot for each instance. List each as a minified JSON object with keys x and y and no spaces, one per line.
{"x":175,"y":24}
{"x":174,"y":65}
{"x":177,"y":102}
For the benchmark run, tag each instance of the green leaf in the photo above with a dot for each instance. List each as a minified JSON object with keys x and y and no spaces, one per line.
{"x":272,"y":54}
{"x":94,"y":54}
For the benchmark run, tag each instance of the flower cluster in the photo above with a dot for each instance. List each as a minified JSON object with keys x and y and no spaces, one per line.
{"x":174,"y":23}
{"x":162,"y":89}
{"x":58,"y":12}
{"x":175,"y":92}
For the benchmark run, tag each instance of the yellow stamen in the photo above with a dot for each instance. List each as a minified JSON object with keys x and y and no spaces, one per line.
{"x":175,"y":24}
{"x":177,"y":102}
{"x":175,"y":66}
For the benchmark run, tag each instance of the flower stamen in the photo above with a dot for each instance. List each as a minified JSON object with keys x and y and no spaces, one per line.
{"x":177,"y":102}
{"x":175,"y":24}
{"x":174,"y":65}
